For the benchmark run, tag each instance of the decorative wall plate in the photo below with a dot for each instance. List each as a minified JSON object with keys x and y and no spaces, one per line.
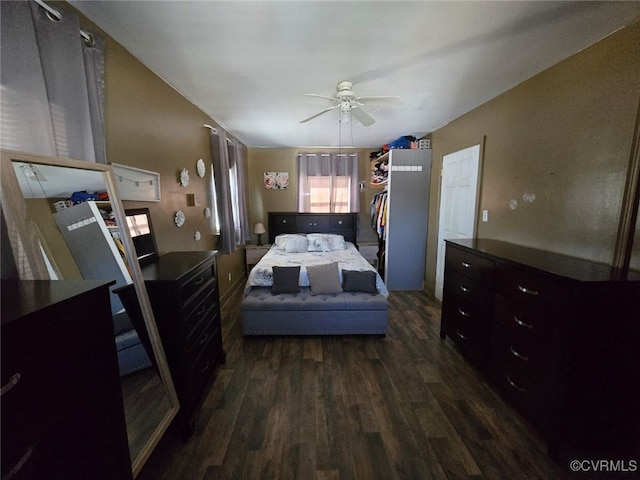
{"x":207,"y":212}
{"x":200,"y":167}
{"x":197,"y":236}
{"x":184,"y":177}
{"x":179,"y":218}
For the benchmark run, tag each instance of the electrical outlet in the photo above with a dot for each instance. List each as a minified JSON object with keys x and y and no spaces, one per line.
{"x":485,"y":215}
{"x":229,"y":276}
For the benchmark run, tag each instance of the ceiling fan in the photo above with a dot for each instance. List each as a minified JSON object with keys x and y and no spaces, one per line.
{"x":347,"y":102}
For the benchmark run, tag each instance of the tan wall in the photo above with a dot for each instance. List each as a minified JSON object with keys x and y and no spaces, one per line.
{"x":263,"y":201}
{"x":151,"y":126}
{"x":564,"y":135}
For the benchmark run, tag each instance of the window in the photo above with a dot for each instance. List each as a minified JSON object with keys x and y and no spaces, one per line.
{"x":327,"y":183}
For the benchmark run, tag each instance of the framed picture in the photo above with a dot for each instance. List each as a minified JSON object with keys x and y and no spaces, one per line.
{"x":276,"y":180}
{"x":137,"y":184}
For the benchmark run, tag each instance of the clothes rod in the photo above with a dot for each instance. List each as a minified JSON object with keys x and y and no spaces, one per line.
{"x":58,"y":16}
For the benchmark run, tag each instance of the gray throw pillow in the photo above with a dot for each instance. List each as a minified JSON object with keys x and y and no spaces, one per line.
{"x":285,"y":280}
{"x":324,"y":278}
{"x":356,"y":281}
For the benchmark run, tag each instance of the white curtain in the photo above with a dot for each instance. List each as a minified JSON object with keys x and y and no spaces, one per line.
{"x":339,"y":175}
{"x":241,"y":217}
{"x":52,"y":84}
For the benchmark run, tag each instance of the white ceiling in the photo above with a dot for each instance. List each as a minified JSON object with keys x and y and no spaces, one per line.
{"x":247,"y":64}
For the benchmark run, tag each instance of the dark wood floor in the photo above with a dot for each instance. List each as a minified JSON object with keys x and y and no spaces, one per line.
{"x":402,"y":407}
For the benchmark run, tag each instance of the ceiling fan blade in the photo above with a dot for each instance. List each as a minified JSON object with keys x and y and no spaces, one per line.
{"x":333,"y":99}
{"x":382,"y":100}
{"x":363,"y":117}
{"x":319,"y":113}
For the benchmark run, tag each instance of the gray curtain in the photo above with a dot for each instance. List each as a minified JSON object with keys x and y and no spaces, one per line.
{"x":220,"y":157}
{"x":52,"y":84}
{"x":340,"y":168}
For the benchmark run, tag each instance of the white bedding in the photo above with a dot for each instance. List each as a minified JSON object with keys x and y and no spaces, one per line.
{"x":348,"y":259}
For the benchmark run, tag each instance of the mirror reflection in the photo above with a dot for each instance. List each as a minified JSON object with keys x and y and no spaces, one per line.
{"x":80,"y":236}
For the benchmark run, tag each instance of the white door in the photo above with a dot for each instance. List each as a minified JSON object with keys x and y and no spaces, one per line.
{"x":458,"y":198}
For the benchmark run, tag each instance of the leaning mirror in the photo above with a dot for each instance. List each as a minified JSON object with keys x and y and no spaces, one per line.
{"x":84,"y":238}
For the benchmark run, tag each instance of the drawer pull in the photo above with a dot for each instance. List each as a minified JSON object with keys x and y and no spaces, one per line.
{"x":18,"y":466}
{"x":206,"y":366}
{"x":465,"y":289}
{"x":460,"y":335}
{"x":204,"y":339}
{"x":199,"y":281}
{"x":527,"y":291}
{"x":518,"y":355}
{"x":201,"y":310}
{"x":462,"y":312}
{"x":13,"y":381}
{"x":514,"y":385}
{"x":466,"y":265}
{"x":521,"y":323}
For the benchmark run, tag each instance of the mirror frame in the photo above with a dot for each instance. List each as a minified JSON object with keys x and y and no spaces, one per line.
{"x":18,"y":224}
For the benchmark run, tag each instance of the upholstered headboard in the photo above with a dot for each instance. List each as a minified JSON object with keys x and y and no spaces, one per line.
{"x":344,"y":224}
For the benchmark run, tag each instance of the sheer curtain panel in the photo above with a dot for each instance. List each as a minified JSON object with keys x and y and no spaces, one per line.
{"x":52,"y":84}
{"x":328,"y":182}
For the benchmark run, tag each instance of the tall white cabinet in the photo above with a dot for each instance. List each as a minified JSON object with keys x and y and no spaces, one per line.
{"x":405,"y":247}
{"x":93,"y":247}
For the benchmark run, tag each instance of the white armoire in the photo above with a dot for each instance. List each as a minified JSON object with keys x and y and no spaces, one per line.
{"x":405,"y":245}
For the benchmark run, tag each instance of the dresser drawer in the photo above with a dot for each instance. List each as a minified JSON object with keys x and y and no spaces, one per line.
{"x":477,"y":268}
{"x":194,"y":312}
{"x":201,"y":336}
{"x":200,"y":372}
{"x":466,"y":288}
{"x":195,"y":281}
{"x":537,"y":360}
{"x":523,"y":392}
{"x":528,"y":288}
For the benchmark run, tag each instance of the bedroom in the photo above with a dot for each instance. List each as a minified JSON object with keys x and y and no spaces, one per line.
{"x":528,"y":133}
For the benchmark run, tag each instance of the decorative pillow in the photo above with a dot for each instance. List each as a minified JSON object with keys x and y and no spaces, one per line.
{"x":335,"y":242}
{"x":356,"y":281}
{"x":324,"y":278}
{"x":318,"y":243}
{"x":285,"y":280}
{"x":325,"y":242}
{"x":292,"y":243}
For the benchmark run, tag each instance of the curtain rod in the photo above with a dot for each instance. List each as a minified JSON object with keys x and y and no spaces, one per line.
{"x":56,"y":13}
{"x":328,"y":154}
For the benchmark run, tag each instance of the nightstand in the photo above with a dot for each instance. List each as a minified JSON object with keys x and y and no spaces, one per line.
{"x":253,"y":254}
{"x":369,"y":251}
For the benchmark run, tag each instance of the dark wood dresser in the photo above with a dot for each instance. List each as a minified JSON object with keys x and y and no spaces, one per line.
{"x":183,"y":290}
{"x":62,"y":410}
{"x":556,"y":335}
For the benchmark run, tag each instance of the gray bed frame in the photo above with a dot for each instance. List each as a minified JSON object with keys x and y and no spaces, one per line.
{"x":346,"y":313}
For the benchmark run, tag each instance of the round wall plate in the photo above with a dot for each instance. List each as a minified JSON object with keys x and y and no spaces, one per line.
{"x":207,"y":212}
{"x":197,"y":236}
{"x":200,"y":167}
{"x":179,"y":218}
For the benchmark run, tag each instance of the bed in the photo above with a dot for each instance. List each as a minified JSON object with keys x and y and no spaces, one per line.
{"x":329,"y":288}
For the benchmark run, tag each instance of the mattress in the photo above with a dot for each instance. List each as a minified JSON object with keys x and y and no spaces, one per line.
{"x":348,"y":259}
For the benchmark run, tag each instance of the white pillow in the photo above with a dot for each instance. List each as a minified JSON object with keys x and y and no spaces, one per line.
{"x":292,"y":243}
{"x":325,"y":242}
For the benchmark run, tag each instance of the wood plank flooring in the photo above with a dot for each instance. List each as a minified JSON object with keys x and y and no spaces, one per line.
{"x":406,"y":406}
